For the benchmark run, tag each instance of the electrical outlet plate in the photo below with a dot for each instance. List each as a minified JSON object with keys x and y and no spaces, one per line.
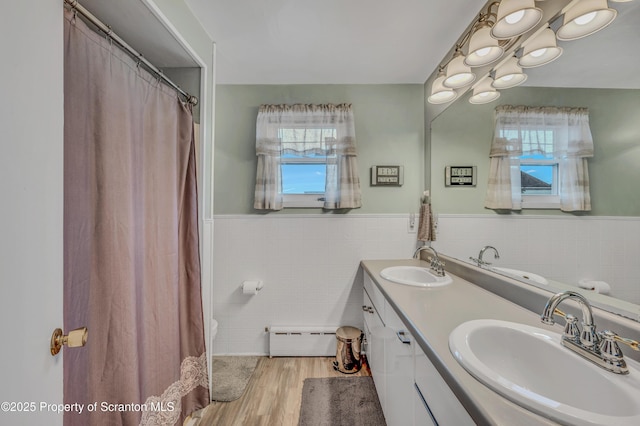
{"x":412,"y":223}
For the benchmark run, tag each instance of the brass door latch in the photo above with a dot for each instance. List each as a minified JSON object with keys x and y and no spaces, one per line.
{"x":74,"y":339}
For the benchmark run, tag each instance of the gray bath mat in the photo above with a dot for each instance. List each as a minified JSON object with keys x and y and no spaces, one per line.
{"x":340,"y":401}
{"x":230,"y":375}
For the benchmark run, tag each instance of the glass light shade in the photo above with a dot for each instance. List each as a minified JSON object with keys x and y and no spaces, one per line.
{"x":541,"y":50}
{"x":441,"y":94}
{"x":585,"y":18}
{"x":508,"y":75}
{"x":483,"y":49}
{"x":458,"y":74}
{"x":484,"y":93}
{"x":515,"y":17}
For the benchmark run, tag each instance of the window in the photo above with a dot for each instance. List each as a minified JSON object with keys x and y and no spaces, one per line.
{"x":304,"y":174}
{"x":306,"y":157}
{"x":538,"y":167}
{"x":538,"y":159}
{"x":539,"y":181}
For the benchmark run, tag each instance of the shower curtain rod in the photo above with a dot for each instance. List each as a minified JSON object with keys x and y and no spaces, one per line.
{"x":73,"y":4}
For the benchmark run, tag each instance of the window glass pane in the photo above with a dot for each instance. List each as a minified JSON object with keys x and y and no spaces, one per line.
{"x":537,"y":179}
{"x":303,"y":178}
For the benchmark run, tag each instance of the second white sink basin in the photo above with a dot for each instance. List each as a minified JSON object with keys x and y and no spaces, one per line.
{"x":415,"y":276}
{"x":528,"y":366}
{"x":521,"y":274}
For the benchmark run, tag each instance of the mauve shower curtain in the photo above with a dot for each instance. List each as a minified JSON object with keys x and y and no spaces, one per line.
{"x":131,"y":256}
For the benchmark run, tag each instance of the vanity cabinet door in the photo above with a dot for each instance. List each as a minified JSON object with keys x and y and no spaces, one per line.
{"x":421,"y":414}
{"x":374,"y":332}
{"x":399,"y":370}
{"x":376,"y":298}
{"x":442,"y":402}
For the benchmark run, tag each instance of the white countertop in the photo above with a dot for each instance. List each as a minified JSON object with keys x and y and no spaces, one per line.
{"x":432,"y":313}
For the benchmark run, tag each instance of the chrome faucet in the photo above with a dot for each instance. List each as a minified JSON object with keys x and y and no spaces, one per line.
{"x":600,"y":348}
{"x":482,"y":262}
{"x":437,"y":265}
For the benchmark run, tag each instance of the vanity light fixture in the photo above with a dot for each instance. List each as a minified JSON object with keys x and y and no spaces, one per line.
{"x":541,"y":50}
{"x":495,"y":31}
{"x":515,"y":17}
{"x":585,"y":18}
{"x":508,"y":75}
{"x":484,"y":92}
{"x":457,"y":73}
{"x":483,"y":49}
{"x":439,"y":93}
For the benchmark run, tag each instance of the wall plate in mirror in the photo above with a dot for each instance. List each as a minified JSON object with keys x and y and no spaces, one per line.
{"x":460,"y":175}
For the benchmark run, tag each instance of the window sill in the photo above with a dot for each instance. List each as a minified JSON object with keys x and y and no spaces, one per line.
{"x":303,"y":200}
{"x":541,"y":202}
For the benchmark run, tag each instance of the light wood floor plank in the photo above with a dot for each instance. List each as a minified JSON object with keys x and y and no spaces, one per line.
{"x":273,"y":394}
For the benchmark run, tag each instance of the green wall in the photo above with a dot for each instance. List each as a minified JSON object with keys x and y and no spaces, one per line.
{"x":389,"y":130}
{"x":462,"y":135}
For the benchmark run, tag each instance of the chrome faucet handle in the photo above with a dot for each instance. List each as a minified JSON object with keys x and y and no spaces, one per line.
{"x":589,"y":338}
{"x":476,"y":260}
{"x":436,"y":266}
{"x":609,"y":348}
{"x":571,"y":329}
{"x":633,"y":344}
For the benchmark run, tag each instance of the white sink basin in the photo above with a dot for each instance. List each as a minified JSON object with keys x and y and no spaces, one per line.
{"x":414,"y":275}
{"x":528,"y":366}
{"x":521,"y":274}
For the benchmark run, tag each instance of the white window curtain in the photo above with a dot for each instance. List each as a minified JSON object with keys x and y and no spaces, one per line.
{"x":523,"y":130}
{"x":342,"y":189}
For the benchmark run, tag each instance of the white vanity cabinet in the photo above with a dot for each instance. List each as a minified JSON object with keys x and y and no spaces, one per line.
{"x":399,"y":367}
{"x":374,"y":331}
{"x":410,"y":389}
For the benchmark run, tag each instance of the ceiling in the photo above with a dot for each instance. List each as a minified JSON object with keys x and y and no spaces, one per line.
{"x":359,"y":41}
{"x":331,"y":41}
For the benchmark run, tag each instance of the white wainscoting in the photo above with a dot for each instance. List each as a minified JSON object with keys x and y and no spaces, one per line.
{"x":309,"y":265}
{"x":565,"y":249}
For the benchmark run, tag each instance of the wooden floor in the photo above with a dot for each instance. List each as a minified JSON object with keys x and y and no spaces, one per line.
{"x":274,"y":392}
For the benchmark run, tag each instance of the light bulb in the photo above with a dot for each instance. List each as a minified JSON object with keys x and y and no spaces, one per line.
{"x":585,"y":19}
{"x":539,"y":52}
{"x":442,"y":97}
{"x":515,"y":17}
{"x":483,"y":52}
{"x":459,"y":80}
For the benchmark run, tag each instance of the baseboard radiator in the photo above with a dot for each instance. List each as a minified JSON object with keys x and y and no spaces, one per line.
{"x":302,"y":341}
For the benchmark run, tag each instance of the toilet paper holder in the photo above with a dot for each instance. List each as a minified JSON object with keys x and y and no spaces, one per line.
{"x":252,"y":287}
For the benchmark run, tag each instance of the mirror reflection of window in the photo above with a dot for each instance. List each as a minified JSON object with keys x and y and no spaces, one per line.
{"x":538,"y":159}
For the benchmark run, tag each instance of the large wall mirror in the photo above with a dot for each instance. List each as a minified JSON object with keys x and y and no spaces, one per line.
{"x":602,"y":73}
